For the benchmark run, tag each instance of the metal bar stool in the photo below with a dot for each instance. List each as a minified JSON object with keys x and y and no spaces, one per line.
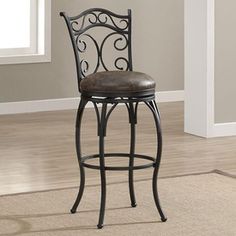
{"x":106,"y":86}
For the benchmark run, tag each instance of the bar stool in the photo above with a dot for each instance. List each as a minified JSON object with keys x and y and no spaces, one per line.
{"x":102,"y":85}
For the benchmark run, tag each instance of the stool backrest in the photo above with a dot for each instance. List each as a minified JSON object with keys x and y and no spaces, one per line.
{"x":82,"y":34}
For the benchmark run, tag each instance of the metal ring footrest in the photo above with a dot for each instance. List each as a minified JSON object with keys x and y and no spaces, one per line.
{"x":119,"y":168}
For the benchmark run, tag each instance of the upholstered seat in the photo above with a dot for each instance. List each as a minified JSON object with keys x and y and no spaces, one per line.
{"x":118,"y":83}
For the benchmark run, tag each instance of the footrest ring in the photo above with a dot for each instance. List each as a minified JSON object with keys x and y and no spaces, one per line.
{"x":119,"y":168}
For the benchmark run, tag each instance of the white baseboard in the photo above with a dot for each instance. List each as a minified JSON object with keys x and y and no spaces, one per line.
{"x":70,"y":103}
{"x":224,"y":129}
{"x":38,"y":106}
{"x":219,"y":130}
{"x":170,"y":96}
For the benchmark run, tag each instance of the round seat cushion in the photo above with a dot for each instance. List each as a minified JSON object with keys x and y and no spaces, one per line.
{"x":118,"y":83}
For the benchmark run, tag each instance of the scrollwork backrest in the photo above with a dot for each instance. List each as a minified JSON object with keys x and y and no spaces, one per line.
{"x":118,"y":31}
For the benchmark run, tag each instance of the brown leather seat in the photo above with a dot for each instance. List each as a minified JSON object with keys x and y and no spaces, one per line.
{"x":118,"y":83}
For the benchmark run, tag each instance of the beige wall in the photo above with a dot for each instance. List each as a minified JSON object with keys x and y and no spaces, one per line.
{"x":225,"y":64}
{"x":157,"y":50}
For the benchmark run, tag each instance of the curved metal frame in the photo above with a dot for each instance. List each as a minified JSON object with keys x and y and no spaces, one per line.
{"x":97,"y":17}
{"x":102,"y":119}
{"x":80,"y":111}
{"x":119,"y":25}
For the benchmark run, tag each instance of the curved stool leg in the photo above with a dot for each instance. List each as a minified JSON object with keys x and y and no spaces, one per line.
{"x":82,"y":105}
{"x":132,"y":152}
{"x":153,"y":107}
{"x":102,"y":166}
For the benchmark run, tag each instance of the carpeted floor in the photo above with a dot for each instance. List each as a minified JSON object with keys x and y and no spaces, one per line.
{"x":195,"y":205}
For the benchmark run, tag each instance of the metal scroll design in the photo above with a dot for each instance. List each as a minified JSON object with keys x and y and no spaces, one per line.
{"x":99,"y":17}
{"x":82,"y":47}
{"x":120,"y":43}
{"x":119,"y":34}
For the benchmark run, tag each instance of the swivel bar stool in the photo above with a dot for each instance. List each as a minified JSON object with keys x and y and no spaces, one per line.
{"x":102,"y":85}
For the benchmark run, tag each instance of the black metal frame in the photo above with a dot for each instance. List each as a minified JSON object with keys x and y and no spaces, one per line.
{"x":82,"y":25}
{"x":131,"y":103}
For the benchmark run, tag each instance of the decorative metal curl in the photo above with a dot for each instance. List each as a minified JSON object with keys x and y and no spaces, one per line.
{"x":126,"y":24}
{"x":121,"y":67}
{"x":99,"y":17}
{"x":117,"y":47}
{"x":84,"y":67}
{"x":89,"y":18}
{"x":81,"y":45}
{"x":121,"y":40}
{"x":120,"y":44}
{"x":102,"y":15}
{"x":84,"y":43}
{"x":75,"y":24}
{"x":103,"y":19}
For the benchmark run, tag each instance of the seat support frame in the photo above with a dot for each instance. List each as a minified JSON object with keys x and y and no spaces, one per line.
{"x":102,"y":119}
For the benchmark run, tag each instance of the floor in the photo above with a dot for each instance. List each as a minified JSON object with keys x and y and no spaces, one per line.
{"x":37,"y":150}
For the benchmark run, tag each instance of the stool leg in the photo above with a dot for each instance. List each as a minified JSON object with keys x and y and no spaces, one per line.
{"x":153,"y":107}
{"x":102,"y":166}
{"x":82,"y":105}
{"x":132,"y":151}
